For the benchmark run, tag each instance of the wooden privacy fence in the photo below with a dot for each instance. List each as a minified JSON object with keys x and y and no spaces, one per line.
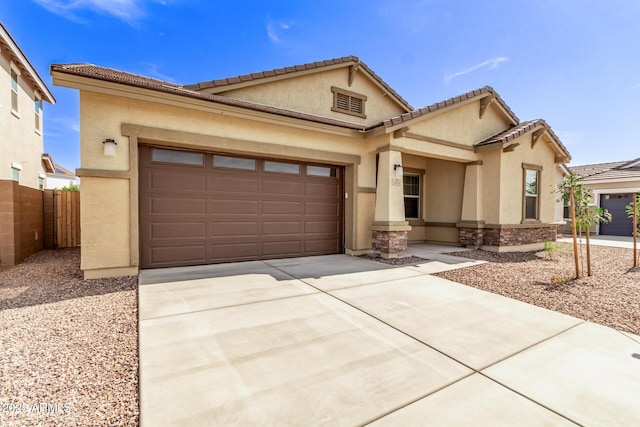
{"x":61,"y":219}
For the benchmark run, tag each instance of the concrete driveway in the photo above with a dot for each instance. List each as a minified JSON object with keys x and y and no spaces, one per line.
{"x":338,"y":340}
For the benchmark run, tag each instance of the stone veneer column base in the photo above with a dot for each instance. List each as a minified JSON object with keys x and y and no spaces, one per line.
{"x":389,"y":243}
{"x":506,"y":236}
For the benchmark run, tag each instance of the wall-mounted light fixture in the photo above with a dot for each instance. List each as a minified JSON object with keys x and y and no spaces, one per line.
{"x":398,"y":169}
{"x":109,"y":147}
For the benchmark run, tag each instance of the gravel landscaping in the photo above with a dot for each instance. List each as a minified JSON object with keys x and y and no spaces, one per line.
{"x":69,"y":347}
{"x":611,"y":296}
{"x":69,"y":350}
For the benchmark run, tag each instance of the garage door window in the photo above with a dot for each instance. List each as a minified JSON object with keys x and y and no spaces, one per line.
{"x":321,"y":171}
{"x":281,"y":167}
{"x":234,"y":162}
{"x":177,"y":157}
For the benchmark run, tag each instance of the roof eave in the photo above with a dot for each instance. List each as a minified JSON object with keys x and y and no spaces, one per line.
{"x":42,"y":88}
{"x":82,"y":82}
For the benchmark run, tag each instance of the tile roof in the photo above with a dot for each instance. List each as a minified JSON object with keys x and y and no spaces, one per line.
{"x":608,"y":171}
{"x":521,"y":129}
{"x":484,"y":91}
{"x":295,"y":69}
{"x":116,"y":76}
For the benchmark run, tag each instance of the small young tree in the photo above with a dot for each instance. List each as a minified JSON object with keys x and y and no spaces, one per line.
{"x":633,"y":212}
{"x":583,"y":216}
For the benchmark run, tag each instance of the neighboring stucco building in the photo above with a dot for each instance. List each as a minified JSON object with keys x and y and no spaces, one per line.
{"x":58,"y":177}
{"x":22,"y":175}
{"x":613,"y":185}
{"x":313,"y":159}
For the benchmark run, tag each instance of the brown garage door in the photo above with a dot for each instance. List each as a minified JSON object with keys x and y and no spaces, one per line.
{"x":203,"y":208}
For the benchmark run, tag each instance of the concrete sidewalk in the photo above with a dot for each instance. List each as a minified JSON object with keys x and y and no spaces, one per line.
{"x":338,"y":340}
{"x":613,"y":241}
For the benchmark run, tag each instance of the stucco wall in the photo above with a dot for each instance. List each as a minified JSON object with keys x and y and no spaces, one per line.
{"x":447,"y":125}
{"x":19,"y":143}
{"x":512,"y":182}
{"x":312,"y":94}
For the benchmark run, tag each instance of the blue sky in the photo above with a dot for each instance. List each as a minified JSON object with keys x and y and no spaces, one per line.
{"x":574,"y":63}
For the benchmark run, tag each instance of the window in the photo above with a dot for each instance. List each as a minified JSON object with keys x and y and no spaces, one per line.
{"x":531,"y":180}
{"x":566,"y":208}
{"x":234,"y":162}
{"x":322,"y":171}
{"x":15,"y":171}
{"x":411,"y":187}
{"x":178,"y":157}
{"x":281,"y":167}
{"x":38,"y":113}
{"x":41,"y":183}
{"x":348,"y":102}
{"x":14,"y":90}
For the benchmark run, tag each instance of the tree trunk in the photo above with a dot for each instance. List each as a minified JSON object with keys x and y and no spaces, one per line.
{"x":572,"y":202}
{"x":588,"y":253}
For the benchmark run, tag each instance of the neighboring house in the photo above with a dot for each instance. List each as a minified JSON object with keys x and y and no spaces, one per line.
{"x":314,"y":159}
{"x":22,"y":175}
{"x":57,"y":176}
{"x":613,"y":185}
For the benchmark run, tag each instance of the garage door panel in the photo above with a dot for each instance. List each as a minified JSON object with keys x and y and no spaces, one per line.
{"x":177,"y":182}
{"x":320,"y":208}
{"x":178,"y":230}
{"x":237,"y":228}
{"x":320,"y":246}
{"x":282,"y":188}
{"x":201,"y":215}
{"x":234,"y":251}
{"x":320,"y":227}
{"x":322,"y":189}
{"x":282,"y":248}
{"x":178,"y":206}
{"x":178,"y":254}
{"x":281,"y":228}
{"x":235,"y":207}
{"x":234,"y":184}
{"x":281,"y":207}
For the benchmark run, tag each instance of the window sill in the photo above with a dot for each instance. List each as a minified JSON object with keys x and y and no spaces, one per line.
{"x":15,"y":114}
{"x":530,"y":221}
{"x":37,"y":132}
{"x":350,"y":113}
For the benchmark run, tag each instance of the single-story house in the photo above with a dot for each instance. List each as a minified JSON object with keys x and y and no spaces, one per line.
{"x":57,"y":176}
{"x":613,"y":185}
{"x":319,"y":158}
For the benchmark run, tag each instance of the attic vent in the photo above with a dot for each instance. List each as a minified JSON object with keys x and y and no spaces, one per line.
{"x":348,"y":102}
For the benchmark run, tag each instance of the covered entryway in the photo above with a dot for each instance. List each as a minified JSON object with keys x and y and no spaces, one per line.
{"x":620,"y":225}
{"x":204,"y":208}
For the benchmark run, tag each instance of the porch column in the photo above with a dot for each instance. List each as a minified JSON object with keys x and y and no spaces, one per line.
{"x":471,"y":226}
{"x":390,"y":227}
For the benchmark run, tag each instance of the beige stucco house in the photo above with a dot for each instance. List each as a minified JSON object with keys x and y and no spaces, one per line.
{"x":314,"y":159}
{"x":22,"y":174}
{"x":613,"y":185}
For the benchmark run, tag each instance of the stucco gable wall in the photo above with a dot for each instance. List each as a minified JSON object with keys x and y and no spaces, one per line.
{"x":312,"y":94}
{"x":448,"y":125}
{"x":512,"y":183}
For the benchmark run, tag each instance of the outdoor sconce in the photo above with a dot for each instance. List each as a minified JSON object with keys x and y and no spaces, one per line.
{"x":398,"y":169}
{"x":109,"y":147}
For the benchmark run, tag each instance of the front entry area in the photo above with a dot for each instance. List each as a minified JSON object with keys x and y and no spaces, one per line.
{"x":204,"y":208}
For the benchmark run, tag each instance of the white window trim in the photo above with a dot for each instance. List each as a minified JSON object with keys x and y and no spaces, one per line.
{"x":17,"y":166}
{"x":38,"y":99}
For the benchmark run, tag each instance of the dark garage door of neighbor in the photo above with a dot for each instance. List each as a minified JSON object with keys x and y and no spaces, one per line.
{"x":620,"y":224}
{"x":203,"y":208}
